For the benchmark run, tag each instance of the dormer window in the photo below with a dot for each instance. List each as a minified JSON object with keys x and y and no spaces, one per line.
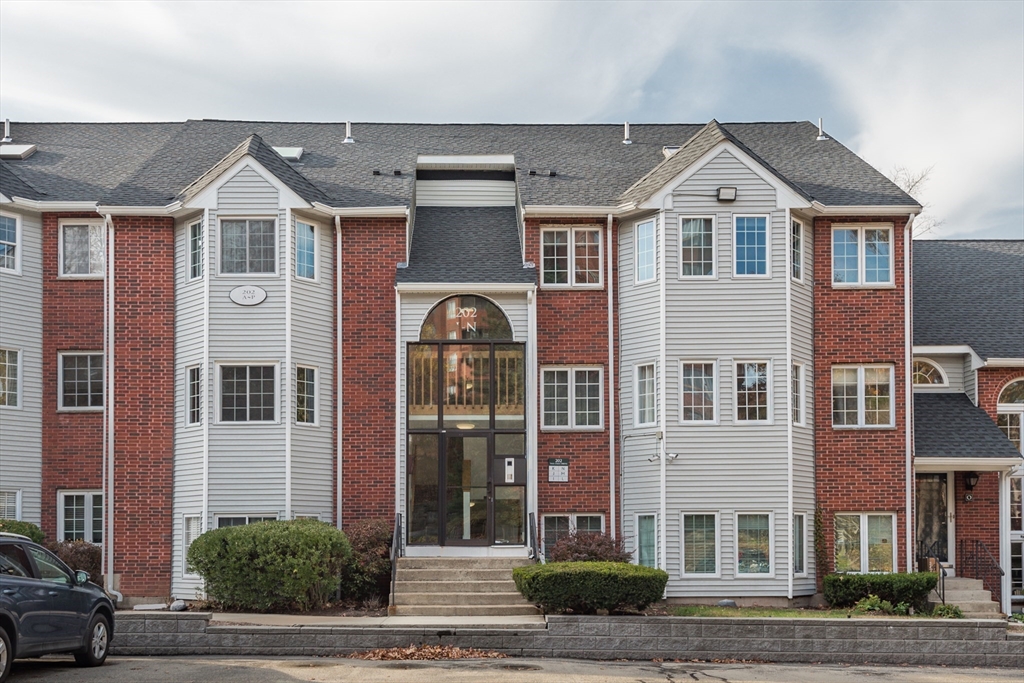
{"x":927,"y":373}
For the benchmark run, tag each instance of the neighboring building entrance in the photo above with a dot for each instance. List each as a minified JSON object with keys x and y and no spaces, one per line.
{"x":934,"y":515}
{"x":466,"y":390}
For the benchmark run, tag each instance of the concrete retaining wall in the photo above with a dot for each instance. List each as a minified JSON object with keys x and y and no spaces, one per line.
{"x":848,"y":641}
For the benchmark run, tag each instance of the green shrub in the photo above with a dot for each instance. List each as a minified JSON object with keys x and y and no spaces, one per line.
{"x":873,"y":603}
{"x":80,"y":555}
{"x":947,"y":612}
{"x":585,"y":587}
{"x":589,"y":547}
{"x":271,"y":565}
{"x":367,"y":572}
{"x":29,"y":529}
{"x":844,"y":590}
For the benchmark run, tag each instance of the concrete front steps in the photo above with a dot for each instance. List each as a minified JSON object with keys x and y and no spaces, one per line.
{"x":458,"y":587}
{"x":970,"y":596}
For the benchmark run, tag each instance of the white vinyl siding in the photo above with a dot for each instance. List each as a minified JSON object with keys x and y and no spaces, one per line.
{"x":465,"y":193}
{"x":82,"y":249}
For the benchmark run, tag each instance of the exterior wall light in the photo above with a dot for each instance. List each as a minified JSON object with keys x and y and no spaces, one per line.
{"x":970,"y":480}
{"x":727,"y":194}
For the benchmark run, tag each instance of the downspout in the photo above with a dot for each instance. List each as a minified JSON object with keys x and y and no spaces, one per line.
{"x":533,"y":460}
{"x":662,"y":395}
{"x":286,"y":376}
{"x":787,"y":236}
{"x":908,"y":331}
{"x":108,"y":408}
{"x":611,"y":381}
{"x":398,"y":401}
{"x":206,"y":371}
{"x":338,"y":365}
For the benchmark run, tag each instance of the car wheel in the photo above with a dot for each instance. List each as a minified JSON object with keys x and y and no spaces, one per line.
{"x":97,"y":642}
{"x":6,"y":655}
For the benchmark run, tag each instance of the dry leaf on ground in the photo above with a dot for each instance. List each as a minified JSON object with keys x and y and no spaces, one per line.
{"x":427,"y":652}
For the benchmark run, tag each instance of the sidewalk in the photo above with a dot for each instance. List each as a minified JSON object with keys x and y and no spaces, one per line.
{"x":229,"y":618}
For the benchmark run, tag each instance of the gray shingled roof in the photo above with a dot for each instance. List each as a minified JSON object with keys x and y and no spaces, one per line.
{"x":970,"y":292}
{"x":466,"y":244}
{"x":151,"y":164}
{"x":950,"y":426}
{"x":11,"y":185}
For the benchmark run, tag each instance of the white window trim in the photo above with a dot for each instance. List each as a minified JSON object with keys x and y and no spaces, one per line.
{"x":88,"y":512}
{"x":792,"y":554}
{"x":864,"y":539}
{"x":636,"y":252}
{"x":188,"y":250}
{"x":682,"y":546}
{"x":767,"y":250}
{"x":771,"y":545}
{"x":571,"y":277}
{"x":218,"y":365}
{"x":572,"y":524}
{"x":316,"y":395}
{"x":19,"y":371}
{"x":220,"y":247}
{"x":736,"y":390}
{"x":19,"y":243}
{"x":188,"y":395}
{"x":571,"y":369}
{"x":17,"y":502}
{"x":861,"y":228}
{"x":716,"y":403}
{"x":803,"y":250}
{"x":316,"y":251}
{"x":942,"y":373}
{"x":184,"y":542}
{"x":1001,"y":408}
{"x":861,"y":395}
{"x":92,"y":223}
{"x":802,"y":387}
{"x":714,"y":248}
{"x":60,"y":383}
{"x":247,"y":515}
{"x":636,"y":535}
{"x":636,"y":395}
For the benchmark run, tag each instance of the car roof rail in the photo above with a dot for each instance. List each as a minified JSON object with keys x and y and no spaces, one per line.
{"x":8,"y":534}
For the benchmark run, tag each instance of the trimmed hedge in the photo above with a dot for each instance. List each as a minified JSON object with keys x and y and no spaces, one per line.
{"x":12,"y":526}
{"x":271,"y":565}
{"x":585,"y":587}
{"x":845,"y":590}
{"x":80,"y":555}
{"x":589,"y":547}
{"x":367,"y":572}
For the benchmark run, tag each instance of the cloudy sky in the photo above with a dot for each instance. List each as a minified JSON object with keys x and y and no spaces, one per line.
{"x":916,"y":85}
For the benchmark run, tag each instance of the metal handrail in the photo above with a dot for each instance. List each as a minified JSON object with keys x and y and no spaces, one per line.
{"x":972,"y":558}
{"x":396,"y":552}
{"x":532,"y":531}
{"x":932,"y":553}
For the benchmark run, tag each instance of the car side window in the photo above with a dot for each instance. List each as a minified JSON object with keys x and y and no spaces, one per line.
{"x":14,"y":561}
{"x":49,"y":569}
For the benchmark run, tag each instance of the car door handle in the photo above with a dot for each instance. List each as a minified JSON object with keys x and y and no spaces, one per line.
{"x":53,"y":593}
{"x":9,"y":591}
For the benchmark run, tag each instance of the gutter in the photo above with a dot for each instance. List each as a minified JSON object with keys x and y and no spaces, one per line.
{"x":787,"y":236}
{"x":662,"y":395}
{"x":339,"y":414}
{"x":908,"y":371}
{"x":365,"y":212}
{"x":822,"y":210}
{"x":108,"y":410}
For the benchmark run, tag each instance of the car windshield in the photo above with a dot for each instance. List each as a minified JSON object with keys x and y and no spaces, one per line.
{"x":13,"y":561}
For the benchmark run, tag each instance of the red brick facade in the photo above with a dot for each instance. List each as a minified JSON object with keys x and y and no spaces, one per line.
{"x":371,"y":249}
{"x":572,"y":329}
{"x":859,"y":469}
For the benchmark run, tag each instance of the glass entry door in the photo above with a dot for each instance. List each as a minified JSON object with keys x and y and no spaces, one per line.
{"x":467,"y":490}
{"x":932,"y":514}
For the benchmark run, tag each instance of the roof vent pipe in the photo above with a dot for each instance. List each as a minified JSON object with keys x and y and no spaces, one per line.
{"x":821,"y":132}
{"x":625,"y":134}
{"x":348,"y":133}
{"x":7,"y":132}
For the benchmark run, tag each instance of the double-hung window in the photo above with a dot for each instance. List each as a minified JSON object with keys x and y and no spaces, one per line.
{"x":305,"y":250}
{"x":305,"y":395}
{"x":862,"y":256}
{"x":796,"y":380}
{"x":646,"y":252}
{"x":796,"y":250}
{"x":751,"y":246}
{"x":242,"y":520}
{"x":753,"y":394}
{"x":10,"y":374}
{"x":247,"y":246}
{"x":647,"y":540}
{"x":10,"y":241}
{"x":195,"y":250}
{"x":557,"y":527}
{"x":571,"y":257}
{"x":572,"y":398}
{"x":82,"y":247}
{"x":697,"y":385}
{"x":1010,"y":409}
{"x":80,"y":385}
{"x":646,"y":386}
{"x":80,"y":516}
{"x":754,"y":543}
{"x":194,"y":410}
{"x":247,"y":393}
{"x":700,"y":543}
{"x":696,"y":247}
{"x":862,"y":396}
{"x":192,"y":528}
{"x":10,"y":504}
{"x":799,"y":544}
{"x":865,"y":542}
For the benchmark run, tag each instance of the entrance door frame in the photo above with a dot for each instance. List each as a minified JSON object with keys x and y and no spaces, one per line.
{"x":950,"y":514}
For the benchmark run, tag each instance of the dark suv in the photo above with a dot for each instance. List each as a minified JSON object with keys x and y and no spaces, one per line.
{"x":45,"y":607}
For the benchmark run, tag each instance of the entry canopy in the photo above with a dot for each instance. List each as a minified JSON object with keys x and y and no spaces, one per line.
{"x":465,"y":317}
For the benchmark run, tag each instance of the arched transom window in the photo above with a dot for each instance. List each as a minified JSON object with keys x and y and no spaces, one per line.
{"x":1011,"y":410}
{"x":927,"y":373}
{"x":465,"y":317}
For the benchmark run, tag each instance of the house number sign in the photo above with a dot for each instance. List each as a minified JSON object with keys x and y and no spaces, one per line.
{"x":248,"y":295}
{"x":558,"y":469}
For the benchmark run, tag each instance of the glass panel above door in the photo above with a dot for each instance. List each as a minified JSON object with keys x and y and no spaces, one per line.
{"x":422,"y":389}
{"x":510,"y":387}
{"x":467,"y":386}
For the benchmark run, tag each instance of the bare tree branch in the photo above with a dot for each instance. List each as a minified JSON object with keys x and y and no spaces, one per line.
{"x":914,"y":183}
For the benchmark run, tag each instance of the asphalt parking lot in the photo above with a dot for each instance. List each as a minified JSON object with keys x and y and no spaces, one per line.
{"x":332,"y":670}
